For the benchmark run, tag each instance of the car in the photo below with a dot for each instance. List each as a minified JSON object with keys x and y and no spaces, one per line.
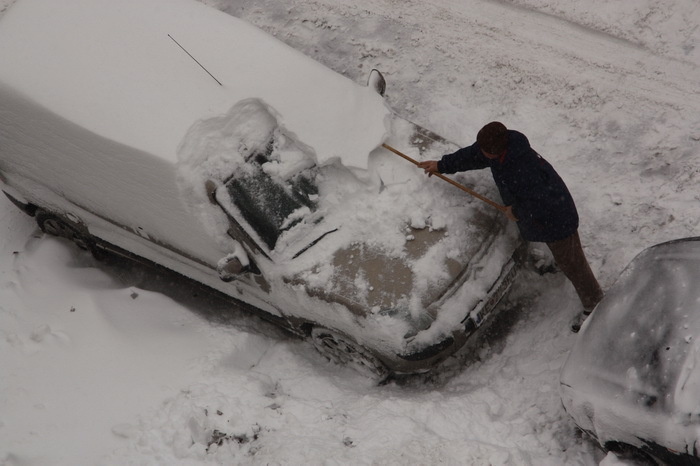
{"x":173,"y":134}
{"x":632,"y":379}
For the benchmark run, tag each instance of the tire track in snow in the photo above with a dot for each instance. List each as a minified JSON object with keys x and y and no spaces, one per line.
{"x":432,"y":49}
{"x":565,"y":46}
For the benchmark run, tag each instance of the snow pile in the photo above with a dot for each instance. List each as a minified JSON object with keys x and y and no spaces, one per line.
{"x":85,"y":361}
{"x":216,"y":148}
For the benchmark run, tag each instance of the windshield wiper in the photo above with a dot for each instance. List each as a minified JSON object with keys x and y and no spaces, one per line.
{"x":313,"y":243}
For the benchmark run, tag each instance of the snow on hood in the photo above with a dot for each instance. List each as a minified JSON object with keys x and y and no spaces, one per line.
{"x":113,"y":69}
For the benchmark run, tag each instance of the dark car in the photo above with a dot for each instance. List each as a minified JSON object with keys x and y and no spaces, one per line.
{"x":632,"y":380}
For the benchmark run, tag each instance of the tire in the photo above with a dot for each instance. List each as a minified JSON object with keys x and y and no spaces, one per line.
{"x":56,"y":225}
{"x":629,"y":453}
{"x":344,"y":351}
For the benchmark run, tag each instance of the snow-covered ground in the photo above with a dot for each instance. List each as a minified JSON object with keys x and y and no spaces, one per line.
{"x":107,"y":364}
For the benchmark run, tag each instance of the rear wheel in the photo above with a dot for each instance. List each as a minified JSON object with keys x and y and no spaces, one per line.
{"x":342,"y":350}
{"x":56,"y":225}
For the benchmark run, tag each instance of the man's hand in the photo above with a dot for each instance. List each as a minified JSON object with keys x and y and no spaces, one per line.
{"x":429,"y":166}
{"x":509,"y":213}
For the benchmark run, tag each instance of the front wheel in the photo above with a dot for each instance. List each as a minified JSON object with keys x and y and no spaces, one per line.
{"x":344,"y":351}
{"x":626,"y":452}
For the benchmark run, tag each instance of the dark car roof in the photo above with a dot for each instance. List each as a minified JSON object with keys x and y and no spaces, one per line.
{"x":638,"y":339}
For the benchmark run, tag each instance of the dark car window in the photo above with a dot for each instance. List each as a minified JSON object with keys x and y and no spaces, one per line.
{"x":269,"y":203}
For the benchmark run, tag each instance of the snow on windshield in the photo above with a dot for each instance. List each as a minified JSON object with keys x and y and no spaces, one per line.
{"x":642,"y":334}
{"x":688,"y":386}
{"x":268,"y":175}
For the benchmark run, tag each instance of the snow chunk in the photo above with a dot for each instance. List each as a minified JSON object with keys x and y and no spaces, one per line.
{"x":216,"y":147}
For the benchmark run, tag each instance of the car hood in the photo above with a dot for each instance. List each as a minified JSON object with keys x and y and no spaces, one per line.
{"x":408,"y":278}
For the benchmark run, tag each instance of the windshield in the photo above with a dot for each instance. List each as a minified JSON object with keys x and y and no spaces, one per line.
{"x":642,"y":333}
{"x":273,"y":198}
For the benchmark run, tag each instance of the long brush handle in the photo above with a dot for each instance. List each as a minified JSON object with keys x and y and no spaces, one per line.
{"x":498,"y":206}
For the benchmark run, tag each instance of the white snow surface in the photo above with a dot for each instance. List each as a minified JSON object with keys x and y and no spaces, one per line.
{"x":135,"y":62}
{"x":105,"y":364}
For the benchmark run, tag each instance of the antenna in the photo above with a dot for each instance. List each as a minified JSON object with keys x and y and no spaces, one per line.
{"x":202,"y":66}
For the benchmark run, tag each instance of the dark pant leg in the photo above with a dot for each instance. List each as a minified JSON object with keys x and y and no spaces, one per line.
{"x":570,"y":258}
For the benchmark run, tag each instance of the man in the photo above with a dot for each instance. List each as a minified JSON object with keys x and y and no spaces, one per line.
{"x":536,"y":198}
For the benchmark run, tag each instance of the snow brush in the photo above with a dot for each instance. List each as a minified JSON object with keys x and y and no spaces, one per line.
{"x":498,"y":206}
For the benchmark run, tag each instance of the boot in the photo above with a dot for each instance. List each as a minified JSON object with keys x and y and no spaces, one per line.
{"x":578,"y":321}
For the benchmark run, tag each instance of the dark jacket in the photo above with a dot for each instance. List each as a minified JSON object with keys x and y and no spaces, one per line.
{"x":541,"y":201}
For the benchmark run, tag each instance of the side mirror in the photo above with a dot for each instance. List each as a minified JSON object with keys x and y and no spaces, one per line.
{"x":377,"y":82}
{"x":234,"y":264}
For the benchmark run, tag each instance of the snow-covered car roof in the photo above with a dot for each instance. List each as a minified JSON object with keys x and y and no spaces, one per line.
{"x":637,"y":357}
{"x":135,"y":62}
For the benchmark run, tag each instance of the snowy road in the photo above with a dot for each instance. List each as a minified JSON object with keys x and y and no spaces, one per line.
{"x":608,"y":95}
